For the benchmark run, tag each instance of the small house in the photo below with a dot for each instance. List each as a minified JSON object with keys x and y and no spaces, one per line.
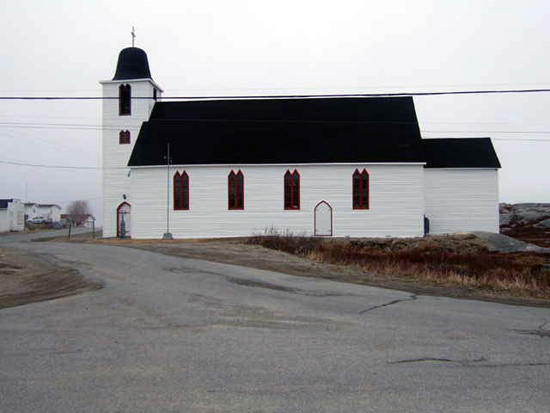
{"x":12,"y":215}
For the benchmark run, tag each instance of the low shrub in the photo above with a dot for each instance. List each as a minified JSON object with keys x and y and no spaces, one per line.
{"x":428,"y":259}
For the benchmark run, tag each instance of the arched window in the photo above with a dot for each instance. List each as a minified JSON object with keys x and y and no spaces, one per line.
{"x":181,"y":191}
{"x":361,"y":189}
{"x":124,"y":137}
{"x":235,"y":186}
{"x":124,"y":100}
{"x":292,"y":190}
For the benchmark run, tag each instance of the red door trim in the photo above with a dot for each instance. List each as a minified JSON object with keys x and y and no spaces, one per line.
{"x":118,"y":217}
{"x":315,"y":220}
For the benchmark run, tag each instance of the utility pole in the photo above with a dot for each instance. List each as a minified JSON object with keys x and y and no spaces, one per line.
{"x":167,"y":234}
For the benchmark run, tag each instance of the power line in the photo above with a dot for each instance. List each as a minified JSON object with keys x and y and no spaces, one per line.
{"x":55,"y":166}
{"x":25,"y":125}
{"x":302,"y":87}
{"x":302,"y":96}
{"x":126,"y":168}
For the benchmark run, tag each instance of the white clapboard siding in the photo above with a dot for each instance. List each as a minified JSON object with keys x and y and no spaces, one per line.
{"x":460,"y":200}
{"x":13,"y":217}
{"x":116,"y":182}
{"x":4,"y":222}
{"x":396,"y":201}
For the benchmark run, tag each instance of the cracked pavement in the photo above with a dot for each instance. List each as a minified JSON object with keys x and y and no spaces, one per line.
{"x":412,"y":297}
{"x":171,"y":334}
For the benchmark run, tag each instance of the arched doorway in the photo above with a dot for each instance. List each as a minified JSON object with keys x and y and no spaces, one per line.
{"x":123,"y":220}
{"x":322,"y":220}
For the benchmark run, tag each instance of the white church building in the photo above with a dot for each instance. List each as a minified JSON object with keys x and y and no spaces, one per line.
{"x":322,"y":166}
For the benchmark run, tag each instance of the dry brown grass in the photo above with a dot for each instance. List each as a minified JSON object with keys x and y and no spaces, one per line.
{"x":530,"y":233}
{"x":436,"y":261}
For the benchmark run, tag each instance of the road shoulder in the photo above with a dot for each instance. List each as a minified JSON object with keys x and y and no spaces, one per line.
{"x":27,"y":278}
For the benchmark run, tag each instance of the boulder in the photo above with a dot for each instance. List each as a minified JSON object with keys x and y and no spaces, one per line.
{"x":503,"y":243}
{"x":545,"y":223}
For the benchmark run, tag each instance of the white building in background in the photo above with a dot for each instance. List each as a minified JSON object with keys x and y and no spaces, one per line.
{"x":12,"y":215}
{"x":48,"y":212}
{"x":331,"y":166}
{"x":90,"y":221}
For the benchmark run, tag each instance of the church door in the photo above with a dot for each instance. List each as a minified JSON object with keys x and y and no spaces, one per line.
{"x":123,"y":220}
{"x":322,"y":220}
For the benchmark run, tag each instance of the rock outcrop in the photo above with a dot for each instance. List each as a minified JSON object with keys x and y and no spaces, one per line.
{"x":527,"y":222}
{"x":522,"y":215}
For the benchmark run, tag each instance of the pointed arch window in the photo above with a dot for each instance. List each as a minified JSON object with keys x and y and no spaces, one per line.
{"x":124,"y":100}
{"x":235,"y":190}
{"x":181,"y":191}
{"x":292,"y":190}
{"x":361,"y":189}
{"x":124,"y":137}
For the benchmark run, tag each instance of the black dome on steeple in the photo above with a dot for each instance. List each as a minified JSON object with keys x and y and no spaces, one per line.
{"x":132,"y":64}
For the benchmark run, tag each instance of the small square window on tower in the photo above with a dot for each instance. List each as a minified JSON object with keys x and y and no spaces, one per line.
{"x":124,"y":137}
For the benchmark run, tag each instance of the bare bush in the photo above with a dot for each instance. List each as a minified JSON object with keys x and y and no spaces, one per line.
{"x":78,"y":212}
{"x":432,"y":260}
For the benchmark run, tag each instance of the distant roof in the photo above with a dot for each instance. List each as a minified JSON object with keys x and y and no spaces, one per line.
{"x":4,"y":203}
{"x":132,"y":64}
{"x":286,"y":130}
{"x":28,"y":204}
{"x":48,"y":206}
{"x":460,"y":153}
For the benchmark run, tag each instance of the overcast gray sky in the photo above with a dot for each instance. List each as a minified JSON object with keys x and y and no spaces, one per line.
{"x":220,"y":47}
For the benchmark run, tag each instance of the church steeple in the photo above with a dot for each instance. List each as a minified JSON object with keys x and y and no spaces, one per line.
{"x":132,"y":64}
{"x":129,"y":99}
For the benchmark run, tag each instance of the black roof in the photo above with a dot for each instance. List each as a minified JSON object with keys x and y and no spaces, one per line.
{"x":388,"y":111}
{"x":299,"y":130}
{"x":4,"y":203}
{"x":132,"y":64}
{"x":286,"y":130}
{"x":460,"y":153}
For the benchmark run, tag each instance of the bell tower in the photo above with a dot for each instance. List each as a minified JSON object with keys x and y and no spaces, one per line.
{"x":128,"y":100}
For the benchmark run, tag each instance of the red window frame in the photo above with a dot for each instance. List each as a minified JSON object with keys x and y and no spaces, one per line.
{"x":125,"y":100}
{"x":235,"y":190}
{"x":292,"y":190}
{"x":361,"y":190}
{"x":181,"y":191}
{"x":124,"y":137}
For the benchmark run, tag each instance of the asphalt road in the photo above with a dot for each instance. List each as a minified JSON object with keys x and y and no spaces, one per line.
{"x":178,"y":335}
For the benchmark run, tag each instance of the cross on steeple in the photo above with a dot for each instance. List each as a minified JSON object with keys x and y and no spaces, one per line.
{"x":133,"y":36}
